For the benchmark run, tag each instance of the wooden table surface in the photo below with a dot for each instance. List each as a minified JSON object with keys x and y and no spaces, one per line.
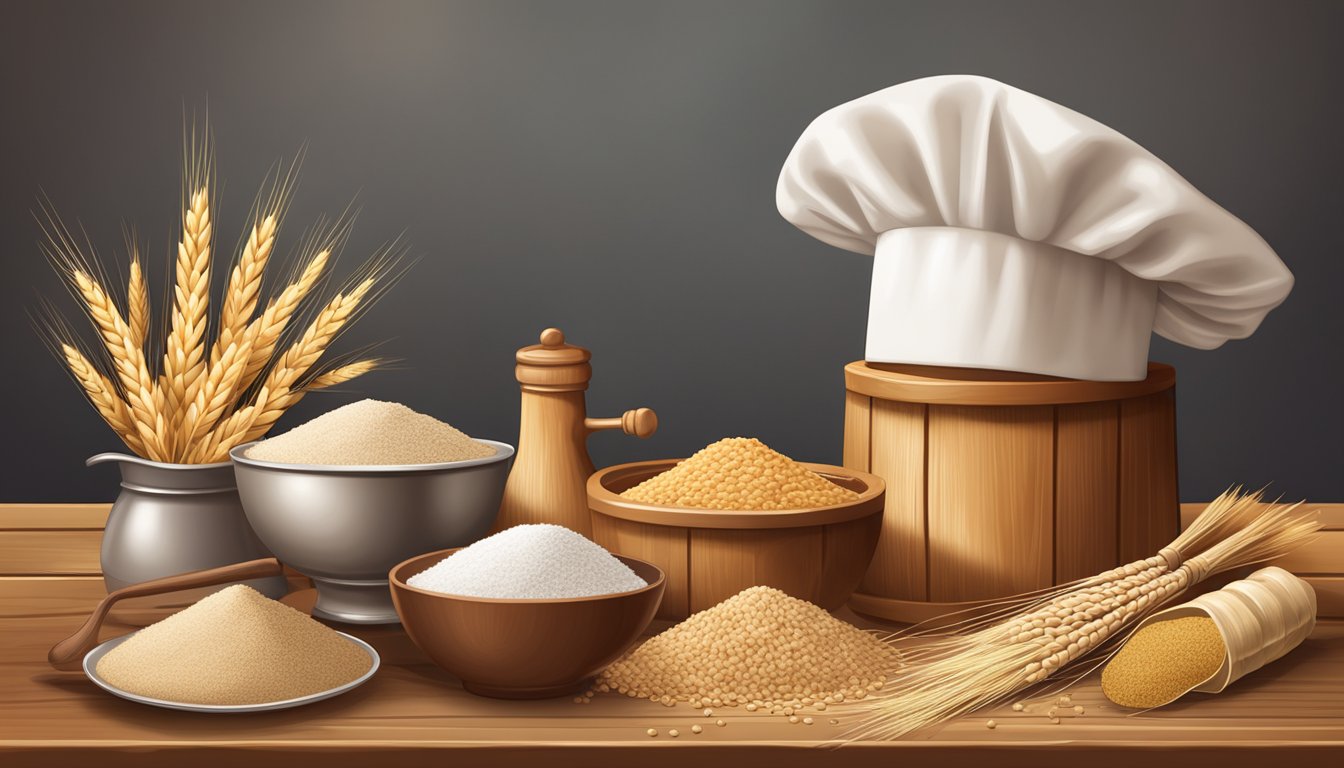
{"x":412,"y":714}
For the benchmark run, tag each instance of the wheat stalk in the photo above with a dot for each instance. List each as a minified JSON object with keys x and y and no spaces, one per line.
{"x":264,"y":332}
{"x":128,"y":361}
{"x":244,"y":290}
{"x":137,"y":303}
{"x":184,"y":361}
{"x":103,"y":394}
{"x":1029,"y":640}
{"x":340,"y":375}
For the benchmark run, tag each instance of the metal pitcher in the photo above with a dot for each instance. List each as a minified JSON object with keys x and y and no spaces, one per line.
{"x":173,"y":518}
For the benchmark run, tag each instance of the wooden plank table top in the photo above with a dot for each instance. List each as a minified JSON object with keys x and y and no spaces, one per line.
{"x":411,"y":713}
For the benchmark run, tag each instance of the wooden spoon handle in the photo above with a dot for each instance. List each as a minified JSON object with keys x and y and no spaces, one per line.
{"x":67,"y":654}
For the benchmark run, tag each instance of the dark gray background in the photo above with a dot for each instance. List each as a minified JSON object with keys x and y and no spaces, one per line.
{"x":609,"y":167}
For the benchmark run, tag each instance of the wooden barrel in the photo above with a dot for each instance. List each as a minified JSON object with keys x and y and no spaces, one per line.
{"x":1000,"y":483}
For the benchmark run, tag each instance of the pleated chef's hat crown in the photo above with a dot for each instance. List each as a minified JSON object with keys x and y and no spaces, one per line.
{"x":1012,"y":233}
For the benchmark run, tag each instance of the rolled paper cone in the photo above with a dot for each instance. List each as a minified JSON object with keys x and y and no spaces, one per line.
{"x":1261,"y":618}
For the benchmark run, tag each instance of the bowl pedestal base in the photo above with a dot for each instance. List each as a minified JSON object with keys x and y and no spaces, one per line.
{"x":354,"y":602}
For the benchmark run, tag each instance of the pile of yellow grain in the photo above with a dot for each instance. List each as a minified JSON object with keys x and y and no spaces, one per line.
{"x":760,"y":649}
{"x":1163,"y":661}
{"x":739,"y":473}
{"x":235,"y":647}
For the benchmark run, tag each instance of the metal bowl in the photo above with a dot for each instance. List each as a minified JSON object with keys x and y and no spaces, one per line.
{"x":346,"y":526}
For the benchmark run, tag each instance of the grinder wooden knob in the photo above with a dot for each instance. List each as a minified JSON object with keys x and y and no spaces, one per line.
{"x":640,"y":422}
{"x":550,"y":470}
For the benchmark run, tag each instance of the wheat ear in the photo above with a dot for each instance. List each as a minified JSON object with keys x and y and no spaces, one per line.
{"x":265,"y":331}
{"x":244,"y":290}
{"x":128,"y":361}
{"x":137,"y":303}
{"x":340,"y":375}
{"x":103,"y":394}
{"x":184,"y":362}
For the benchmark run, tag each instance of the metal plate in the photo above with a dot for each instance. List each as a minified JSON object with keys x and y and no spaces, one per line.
{"x":91,"y":666}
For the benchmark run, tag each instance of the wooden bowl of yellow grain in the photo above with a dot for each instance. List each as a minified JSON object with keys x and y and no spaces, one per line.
{"x":708,"y":555}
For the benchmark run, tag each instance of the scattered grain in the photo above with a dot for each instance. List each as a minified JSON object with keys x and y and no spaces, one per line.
{"x":696,"y":729}
{"x":652,"y":732}
{"x":720,"y":723}
{"x":1078,"y":709}
{"x":674,"y":733}
{"x":1017,"y":706}
{"x":807,"y":721}
{"x":739,"y":473}
{"x":991,"y":725}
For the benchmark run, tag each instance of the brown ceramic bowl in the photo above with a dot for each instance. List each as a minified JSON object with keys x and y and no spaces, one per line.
{"x":709,"y":555}
{"x":523,"y":649}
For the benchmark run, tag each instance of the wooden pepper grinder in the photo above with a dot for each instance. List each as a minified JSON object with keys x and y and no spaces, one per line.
{"x":550,"y":472}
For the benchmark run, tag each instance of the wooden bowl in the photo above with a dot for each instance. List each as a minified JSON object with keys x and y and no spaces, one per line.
{"x":709,"y":555}
{"x":523,"y":649}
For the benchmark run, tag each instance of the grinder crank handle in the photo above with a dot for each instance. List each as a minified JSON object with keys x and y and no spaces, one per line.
{"x":640,"y":422}
{"x":69,"y":653}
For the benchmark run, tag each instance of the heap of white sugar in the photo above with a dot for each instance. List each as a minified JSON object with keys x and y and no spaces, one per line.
{"x":530,"y":562}
{"x":370,"y":432}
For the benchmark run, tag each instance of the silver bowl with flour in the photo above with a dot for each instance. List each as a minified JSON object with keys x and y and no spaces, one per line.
{"x":344,"y":527}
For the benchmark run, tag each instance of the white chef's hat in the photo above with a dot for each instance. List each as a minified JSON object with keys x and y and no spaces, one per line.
{"x":1012,"y":233}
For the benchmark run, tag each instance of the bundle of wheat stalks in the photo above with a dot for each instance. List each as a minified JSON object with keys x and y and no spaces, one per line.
{"x":210,"y":391}
{"x":1025,"y":641}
